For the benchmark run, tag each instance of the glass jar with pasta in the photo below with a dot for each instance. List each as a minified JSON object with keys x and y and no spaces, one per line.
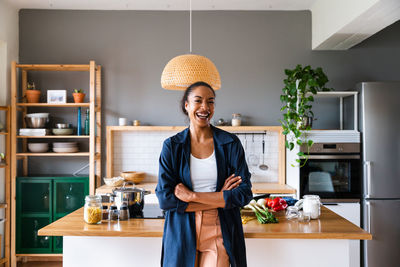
{"x":93,"y":209}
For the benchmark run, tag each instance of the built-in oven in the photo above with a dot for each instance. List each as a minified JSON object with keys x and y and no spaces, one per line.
{"x":332,"y":171}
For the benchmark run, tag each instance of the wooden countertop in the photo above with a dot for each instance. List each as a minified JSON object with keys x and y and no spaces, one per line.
{"x":329,"y":226}
{"x":258,"y":188}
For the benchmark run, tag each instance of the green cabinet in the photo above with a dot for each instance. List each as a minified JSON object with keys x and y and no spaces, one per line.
{"x":41,"y":201}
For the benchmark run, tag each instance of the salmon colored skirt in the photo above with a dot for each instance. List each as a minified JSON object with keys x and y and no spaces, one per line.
{"x":210,"y":247}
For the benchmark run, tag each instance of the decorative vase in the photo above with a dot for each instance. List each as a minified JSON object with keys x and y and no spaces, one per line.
{"x":78,"y":97}
{"x":33,"y":96}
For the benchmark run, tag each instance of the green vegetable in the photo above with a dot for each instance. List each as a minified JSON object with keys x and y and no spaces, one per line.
{"x":263,"y":215}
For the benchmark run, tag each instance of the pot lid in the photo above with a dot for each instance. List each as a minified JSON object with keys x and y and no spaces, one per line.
{"x":128,"y":189}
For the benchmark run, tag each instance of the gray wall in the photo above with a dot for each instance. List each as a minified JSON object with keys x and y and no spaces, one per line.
{"x":251,"y":49}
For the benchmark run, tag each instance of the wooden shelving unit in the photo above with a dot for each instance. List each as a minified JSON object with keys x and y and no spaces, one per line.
{"x":56,"y":136}
{"x":54,"y":154}
{"x":18,"y":106}
{"x":66,"y":105}
{"x":7,"y":186}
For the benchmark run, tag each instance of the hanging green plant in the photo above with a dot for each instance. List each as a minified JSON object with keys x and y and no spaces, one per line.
{"x":301,"y":84}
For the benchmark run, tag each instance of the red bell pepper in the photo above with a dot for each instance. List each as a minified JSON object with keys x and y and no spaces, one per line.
{"x":279,"y":204}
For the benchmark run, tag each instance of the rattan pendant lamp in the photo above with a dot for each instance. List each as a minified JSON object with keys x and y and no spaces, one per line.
{"x":184,"y":70}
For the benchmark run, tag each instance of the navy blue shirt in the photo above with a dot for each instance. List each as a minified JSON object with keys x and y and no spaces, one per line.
{"x":179,"y":239}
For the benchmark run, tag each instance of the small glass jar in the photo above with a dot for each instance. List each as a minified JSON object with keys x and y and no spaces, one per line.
{"x":123,"y":213}
{"x":113,"y":213}
{"x":105,"y":212}
{"x":304,"y":216}
{"x":236,"y":119}
{"x":292,"y":212}
{"x":92,"y":210}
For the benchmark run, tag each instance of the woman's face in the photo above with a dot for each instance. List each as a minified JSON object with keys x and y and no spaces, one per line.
{"x":200,"y":106}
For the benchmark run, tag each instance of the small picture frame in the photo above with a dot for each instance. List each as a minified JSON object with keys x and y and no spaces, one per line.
{"x":56,"y":96}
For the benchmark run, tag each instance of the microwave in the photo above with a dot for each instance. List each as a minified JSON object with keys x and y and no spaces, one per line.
{"x":332,"y":171}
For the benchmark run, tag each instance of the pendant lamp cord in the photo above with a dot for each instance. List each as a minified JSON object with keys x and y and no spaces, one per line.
{"x":190,"y":15}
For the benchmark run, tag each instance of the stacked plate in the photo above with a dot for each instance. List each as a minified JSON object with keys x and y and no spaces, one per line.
{"x":65,"y":147}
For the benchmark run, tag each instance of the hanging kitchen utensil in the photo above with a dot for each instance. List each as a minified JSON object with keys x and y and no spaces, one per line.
{"x":253,"y":159}
{"x":263,"y":166}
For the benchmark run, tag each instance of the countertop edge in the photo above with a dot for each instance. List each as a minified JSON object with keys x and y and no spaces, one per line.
{"x":73,"y":225}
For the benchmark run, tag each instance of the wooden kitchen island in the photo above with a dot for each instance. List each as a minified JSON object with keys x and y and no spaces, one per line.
{"x":137,"y":242}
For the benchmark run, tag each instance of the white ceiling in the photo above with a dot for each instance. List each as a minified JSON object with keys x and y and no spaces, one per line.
{"x":336,"y":24}
{"x":165,"y":4}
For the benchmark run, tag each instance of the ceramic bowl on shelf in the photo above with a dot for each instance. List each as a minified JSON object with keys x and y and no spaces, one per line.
{"x":62,"y":131}
{"x":38,"y":147}
{"x":132,"y":176}
{"x":114,"y":181}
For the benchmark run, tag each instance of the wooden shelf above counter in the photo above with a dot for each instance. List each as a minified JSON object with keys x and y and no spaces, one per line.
{"x":181,"y":128}
{"x":272,"y":188}
{"x":258,"y":188}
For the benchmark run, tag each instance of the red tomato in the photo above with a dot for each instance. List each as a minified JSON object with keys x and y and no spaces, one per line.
{"x":269,"y":202}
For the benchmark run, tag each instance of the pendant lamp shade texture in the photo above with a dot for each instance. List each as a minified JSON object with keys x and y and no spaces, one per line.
{"x":184,"y":70}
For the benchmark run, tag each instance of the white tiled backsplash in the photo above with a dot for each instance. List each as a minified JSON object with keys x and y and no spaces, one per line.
{"x":140,"y":151}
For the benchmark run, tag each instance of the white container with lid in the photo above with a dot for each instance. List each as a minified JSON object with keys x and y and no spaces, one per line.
{"x":236,"y":119}
{"x":311,"y":204}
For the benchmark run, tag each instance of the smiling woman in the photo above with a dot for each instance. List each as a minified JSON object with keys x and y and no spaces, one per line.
{"x":203,"y":181}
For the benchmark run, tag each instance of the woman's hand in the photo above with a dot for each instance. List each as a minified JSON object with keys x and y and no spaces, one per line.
{"x":183,"y":193}
{"x":231,"y":182}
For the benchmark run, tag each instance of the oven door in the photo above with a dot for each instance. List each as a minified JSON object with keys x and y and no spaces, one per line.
{"x":331,"y":176}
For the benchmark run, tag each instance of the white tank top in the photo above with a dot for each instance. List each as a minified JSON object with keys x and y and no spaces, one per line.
{"x":203,"y":173}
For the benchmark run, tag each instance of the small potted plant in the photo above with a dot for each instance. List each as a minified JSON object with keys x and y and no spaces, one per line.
{"x":78,"y":95}
{"x":301,"y":84}
{"x":32,"y":94}
{"x":2,"y":158}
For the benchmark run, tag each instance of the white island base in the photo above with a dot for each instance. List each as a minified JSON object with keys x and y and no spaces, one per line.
{"x":83,"y":251}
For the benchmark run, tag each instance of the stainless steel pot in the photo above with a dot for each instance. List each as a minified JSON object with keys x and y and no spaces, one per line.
{"x":133,"y":197}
